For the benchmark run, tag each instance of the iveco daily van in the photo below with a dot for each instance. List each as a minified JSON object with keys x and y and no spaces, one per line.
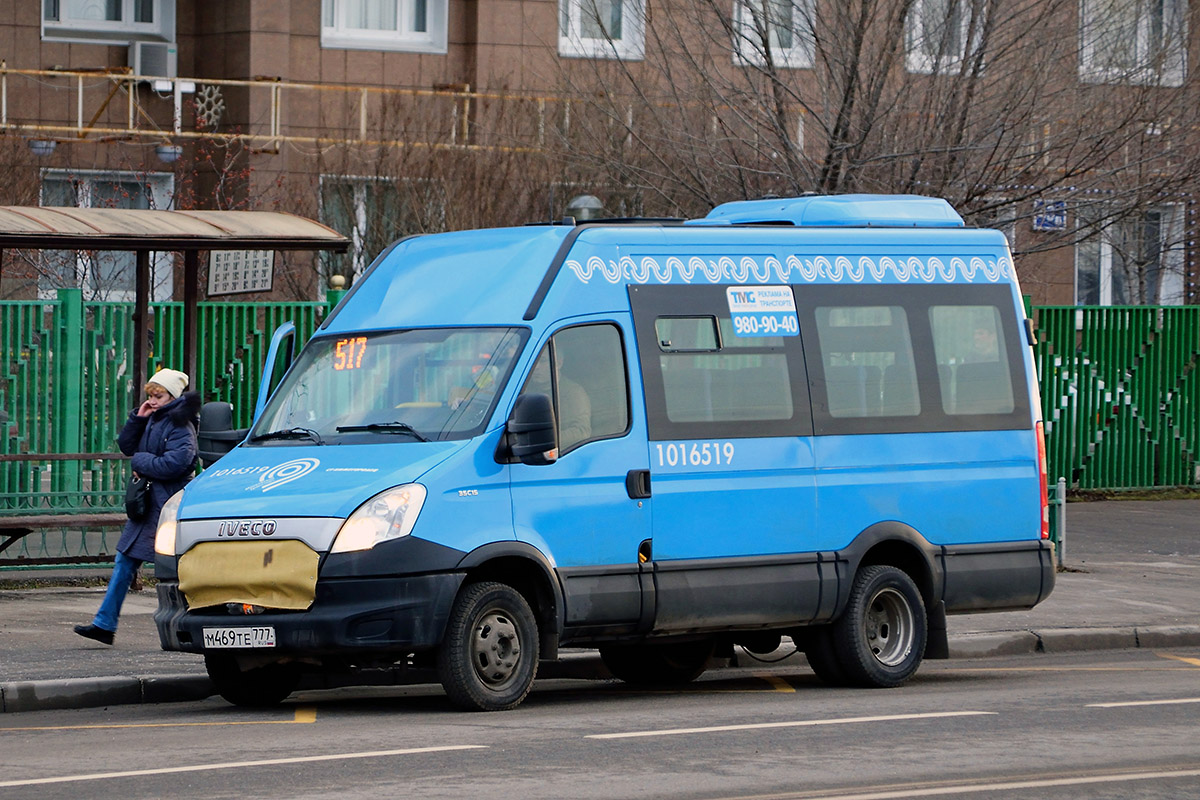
{"x":813,"y":417}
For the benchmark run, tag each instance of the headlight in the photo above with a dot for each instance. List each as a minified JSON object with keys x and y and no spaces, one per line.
{"x":388,"y":515}
{"x":168,"y":523}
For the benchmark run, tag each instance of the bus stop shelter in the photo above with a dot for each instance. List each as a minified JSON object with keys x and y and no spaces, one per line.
{"x":145,"y":231}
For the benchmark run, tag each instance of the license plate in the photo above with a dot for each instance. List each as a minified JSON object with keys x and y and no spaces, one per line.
{"x":228,"y":638}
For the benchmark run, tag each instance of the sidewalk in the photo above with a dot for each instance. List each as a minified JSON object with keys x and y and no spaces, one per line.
{"x":1133,"y":581}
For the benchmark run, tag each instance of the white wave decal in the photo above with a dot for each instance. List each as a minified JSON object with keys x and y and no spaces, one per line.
{"x":286,"y":473}
{"x":793,"y":269}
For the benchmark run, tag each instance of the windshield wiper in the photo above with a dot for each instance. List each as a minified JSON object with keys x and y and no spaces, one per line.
{"x":289,"y":433}
{"x":386,"y":427}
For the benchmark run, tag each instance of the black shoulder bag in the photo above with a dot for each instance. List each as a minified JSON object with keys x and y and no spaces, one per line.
{"x":137,"y":498}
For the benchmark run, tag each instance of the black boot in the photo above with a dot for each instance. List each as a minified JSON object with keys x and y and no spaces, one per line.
{"x":92,"y":632}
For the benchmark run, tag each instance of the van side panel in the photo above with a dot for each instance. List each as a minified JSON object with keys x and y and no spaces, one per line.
{"x":965,"y":487}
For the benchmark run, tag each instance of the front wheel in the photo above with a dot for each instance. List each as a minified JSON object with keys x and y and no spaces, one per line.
{"x":488,"y":658}
{"x":880,"y":639}
{"x":258,"y":687}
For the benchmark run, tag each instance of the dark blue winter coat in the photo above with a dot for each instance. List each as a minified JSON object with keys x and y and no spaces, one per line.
{"x":163,"y":446}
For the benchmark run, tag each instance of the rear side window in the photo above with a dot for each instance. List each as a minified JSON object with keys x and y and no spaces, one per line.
{"x":867,"y":357}
{"x":909,"y":359}
{"x":704,"y":379}
{"x":973,"y":369}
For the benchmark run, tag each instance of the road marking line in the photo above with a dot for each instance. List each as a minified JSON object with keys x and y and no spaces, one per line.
{"x":778,"y":683}
{"x":1145,"y":703}
{"x":1150,"y":667}
{"x":999,"y":786}
{"x":794,"y":724}
{"x":1195,"y":662}
{"x":297,"y":719}
{"x":306,"y":714}
{"x":268,"y":762}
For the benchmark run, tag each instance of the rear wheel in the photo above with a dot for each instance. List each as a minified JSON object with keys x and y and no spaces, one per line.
{"x":257,"y":687}
{"x":488,"y":658}
{"x":658,"y":664}
{"x":880,"y":640}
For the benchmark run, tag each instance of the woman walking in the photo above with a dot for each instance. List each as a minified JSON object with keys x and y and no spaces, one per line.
{"x":160,"y":435}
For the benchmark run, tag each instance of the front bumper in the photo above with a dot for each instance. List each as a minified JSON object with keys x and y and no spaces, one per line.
{"x":348,"y":617}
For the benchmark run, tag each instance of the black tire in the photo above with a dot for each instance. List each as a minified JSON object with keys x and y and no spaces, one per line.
{"x":259,"y":687}
{"x":822,"y":656}
{"x":880,"y":639}
{"x":489,"y":655}
{"x":658,"y":664}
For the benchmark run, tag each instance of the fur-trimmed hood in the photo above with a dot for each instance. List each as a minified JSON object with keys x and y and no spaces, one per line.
{"x":183,"y":410}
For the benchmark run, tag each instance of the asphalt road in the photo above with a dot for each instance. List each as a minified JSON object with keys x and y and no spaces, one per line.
{"x":1088,"y":725}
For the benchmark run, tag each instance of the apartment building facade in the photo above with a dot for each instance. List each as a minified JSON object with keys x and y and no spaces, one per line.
{"x":389,"y":117}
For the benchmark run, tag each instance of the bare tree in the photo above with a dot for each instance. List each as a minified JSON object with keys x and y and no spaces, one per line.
{"x":1001,"y":106}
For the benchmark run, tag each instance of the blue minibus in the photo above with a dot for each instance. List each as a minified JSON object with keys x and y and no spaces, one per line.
{"x":810,"y":418}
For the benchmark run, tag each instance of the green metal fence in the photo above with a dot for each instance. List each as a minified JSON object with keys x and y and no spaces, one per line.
{"x":1120,"y":394}
{"x":66,"y":371}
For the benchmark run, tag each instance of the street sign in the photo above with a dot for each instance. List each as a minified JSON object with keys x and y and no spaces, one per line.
{"x":1049,"y":215}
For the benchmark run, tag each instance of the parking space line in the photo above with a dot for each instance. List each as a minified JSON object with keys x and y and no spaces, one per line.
{"x":304,"y":715}
{"x":1195,"y":662}
{"x":266,"y":762}
{"x":777,"y":683}
{"x":806,"y":723}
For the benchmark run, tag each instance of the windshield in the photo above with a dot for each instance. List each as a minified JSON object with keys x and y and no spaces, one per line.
{"x":415,"y":385}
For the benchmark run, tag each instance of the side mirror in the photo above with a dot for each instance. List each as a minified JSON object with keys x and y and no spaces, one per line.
{"x":532,"y":431}
{"x":216,"y":435}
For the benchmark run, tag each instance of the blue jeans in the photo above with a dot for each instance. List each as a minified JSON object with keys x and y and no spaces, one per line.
{"x":118,"y":586}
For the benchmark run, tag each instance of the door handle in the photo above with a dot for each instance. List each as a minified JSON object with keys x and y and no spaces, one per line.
{"x":637,"y":483}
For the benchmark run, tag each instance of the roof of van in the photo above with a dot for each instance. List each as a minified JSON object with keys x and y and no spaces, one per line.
{"x":503,"y":276}
{"x":845,"y":210}
{"x":478,"y":277}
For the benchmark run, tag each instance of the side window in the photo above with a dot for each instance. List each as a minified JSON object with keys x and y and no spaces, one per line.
{"x":914,"y":359}
{"x":704,"y":381}
{"x":867,"y":357}
{"x":583,"y":370}
{"x":972,"y":360}
{"x":706,"y":377}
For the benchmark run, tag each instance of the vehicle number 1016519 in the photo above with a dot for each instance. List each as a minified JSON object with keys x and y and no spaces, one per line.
{"x":694,"y":454}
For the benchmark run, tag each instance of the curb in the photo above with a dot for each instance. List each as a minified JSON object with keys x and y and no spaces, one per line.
{"x":1071,"y":640}
{"x":47,"y":695}
{"x":74,"y":693}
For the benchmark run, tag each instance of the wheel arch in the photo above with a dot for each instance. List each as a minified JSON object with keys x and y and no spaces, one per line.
{"x":526,"y":569}
{"x":902,"y":546}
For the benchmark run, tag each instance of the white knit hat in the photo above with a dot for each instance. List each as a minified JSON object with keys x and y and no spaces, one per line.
{"x":172,"y":380}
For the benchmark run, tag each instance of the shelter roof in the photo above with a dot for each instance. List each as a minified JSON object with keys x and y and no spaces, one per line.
{"x":148,"y":229}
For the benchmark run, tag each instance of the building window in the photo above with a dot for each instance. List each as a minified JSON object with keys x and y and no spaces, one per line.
{"x":942,"y":33}
{"x":776,"y":32}
{"x":104,"y":274}
{"x":414,"y":26}
{"x":601,"y":28}
{"x":1133,"y":41}
{"x":1132,"y":260}
{"x":108,"y":21}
